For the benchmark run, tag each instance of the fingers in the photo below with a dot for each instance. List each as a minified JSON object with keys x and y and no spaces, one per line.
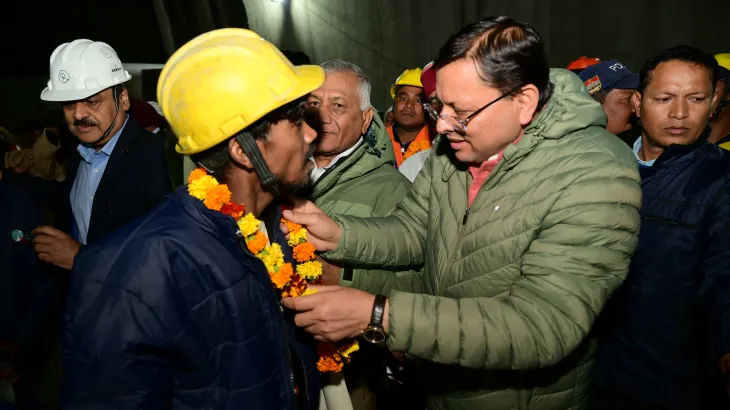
{"x":324,"y":288}
{"x":45,"y":257}
{"x":48,"y":230}
{"x":42,"y":248}
{"x":301,"y":303}
{"x":301,"y":218}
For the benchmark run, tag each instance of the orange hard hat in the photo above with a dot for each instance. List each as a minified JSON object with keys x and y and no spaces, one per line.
{"x":583,"y":62}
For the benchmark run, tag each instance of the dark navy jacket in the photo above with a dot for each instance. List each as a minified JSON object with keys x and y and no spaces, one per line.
{"x":170,"y":312}
{"x":662,"y":334}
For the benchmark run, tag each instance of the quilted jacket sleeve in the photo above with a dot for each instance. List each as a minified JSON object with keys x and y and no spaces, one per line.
{"x":714,"y":292}
{"x":401,"y":236}
{"x":580,"y":256}
{"x":114,"y":354}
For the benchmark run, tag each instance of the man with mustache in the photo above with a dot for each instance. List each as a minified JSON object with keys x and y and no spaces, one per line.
{"x":177,"y":310}
{"x":409,"y":132}
{"x":664,"y":338}
{"x":118,"y":172}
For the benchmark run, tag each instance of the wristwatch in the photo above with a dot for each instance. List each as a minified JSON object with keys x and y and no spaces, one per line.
{"x":375,"y":333}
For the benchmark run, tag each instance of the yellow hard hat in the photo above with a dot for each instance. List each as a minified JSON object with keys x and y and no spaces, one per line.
{"x":223,"y":81}
{"x":724,"y":60}
{"x":409,"y":77}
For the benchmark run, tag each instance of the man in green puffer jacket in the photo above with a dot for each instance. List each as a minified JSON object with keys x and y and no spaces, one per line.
{"x":354,"y":176}
{"x":526,"y":217}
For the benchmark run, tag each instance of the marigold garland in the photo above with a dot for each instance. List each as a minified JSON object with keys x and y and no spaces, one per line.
{"x":287,"y":281}
{"x":416,"y":147}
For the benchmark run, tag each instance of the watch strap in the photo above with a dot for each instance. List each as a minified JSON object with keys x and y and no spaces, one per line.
{"x":376,"y":319}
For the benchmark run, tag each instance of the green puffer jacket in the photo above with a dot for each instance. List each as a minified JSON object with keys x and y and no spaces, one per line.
{"x":501,"y":315}
{"x":365,"y":183}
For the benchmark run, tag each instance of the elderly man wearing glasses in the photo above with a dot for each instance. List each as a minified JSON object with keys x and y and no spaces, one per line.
{"x":525,"y":217}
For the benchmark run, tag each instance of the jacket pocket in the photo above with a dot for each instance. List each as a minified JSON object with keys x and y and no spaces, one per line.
{"x":671,"y":222}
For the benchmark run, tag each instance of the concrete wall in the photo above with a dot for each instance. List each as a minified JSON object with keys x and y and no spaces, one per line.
{"x":386,"y":36}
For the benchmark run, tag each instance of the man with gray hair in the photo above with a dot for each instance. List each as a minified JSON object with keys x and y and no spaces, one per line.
{"x":354,"y":175}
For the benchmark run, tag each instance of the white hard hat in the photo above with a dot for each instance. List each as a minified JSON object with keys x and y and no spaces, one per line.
{"x":82,"y":68}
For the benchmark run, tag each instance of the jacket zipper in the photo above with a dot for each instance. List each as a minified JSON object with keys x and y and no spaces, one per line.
{"x":670,"y":222}
{"x":304,"y":388}
{"x":286,"y":351}
{"x":466,"y":214}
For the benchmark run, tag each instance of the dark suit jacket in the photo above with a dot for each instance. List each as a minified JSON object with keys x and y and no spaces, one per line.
{"x":134,"y":181}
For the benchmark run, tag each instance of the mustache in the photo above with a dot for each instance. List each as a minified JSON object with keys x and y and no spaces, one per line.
{"x":85,"y":122}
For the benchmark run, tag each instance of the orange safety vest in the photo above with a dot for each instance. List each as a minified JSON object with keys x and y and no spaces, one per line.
{"x":420,"y":143}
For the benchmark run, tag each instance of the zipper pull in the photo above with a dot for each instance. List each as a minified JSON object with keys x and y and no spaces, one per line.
{"x":466,"y":215}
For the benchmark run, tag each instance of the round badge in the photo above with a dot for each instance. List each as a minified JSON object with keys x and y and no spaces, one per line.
{"x":106,"y":53}
{"x":63,"y":76}
{"x":17,"y":235}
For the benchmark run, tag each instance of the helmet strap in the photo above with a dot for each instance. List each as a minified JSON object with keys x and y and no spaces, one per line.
{"x":249,"y":147}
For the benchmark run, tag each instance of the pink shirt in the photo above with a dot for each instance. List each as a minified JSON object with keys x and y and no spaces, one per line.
{"x":480,"y":174}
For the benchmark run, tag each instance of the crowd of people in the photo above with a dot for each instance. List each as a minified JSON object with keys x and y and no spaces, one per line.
{"x":505,"y":236}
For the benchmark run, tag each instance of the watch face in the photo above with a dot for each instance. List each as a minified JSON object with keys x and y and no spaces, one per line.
{"x":374,"y":335}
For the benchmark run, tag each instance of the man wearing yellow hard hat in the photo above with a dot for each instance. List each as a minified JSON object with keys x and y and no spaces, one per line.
{"x":181,"y":308}
{"x":409,"y":132}
{"x":720,"y":121}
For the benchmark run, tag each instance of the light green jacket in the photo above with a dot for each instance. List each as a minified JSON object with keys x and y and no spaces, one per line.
{"x":501,"y":315}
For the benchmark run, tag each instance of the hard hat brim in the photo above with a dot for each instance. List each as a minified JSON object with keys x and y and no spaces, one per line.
{"x":310,"y":77}
{"x":72,"y":95}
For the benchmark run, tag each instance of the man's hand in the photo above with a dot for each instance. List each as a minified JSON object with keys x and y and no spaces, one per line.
{"x":323,"y":232}
{"x":330,"y":271}
{"x":334,"y":313}
{"x":54,"y":246}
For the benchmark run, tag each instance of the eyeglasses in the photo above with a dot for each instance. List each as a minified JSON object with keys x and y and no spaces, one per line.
{"x":458,"y":124}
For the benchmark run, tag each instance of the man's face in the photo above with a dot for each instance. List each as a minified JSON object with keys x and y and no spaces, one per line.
{"x":676,"y":105}
{"x":287,"y":151}
{"x":343,"y":122}
{"x":408,"y":109}
{"x":90,"y":118}
{"x":462,"y":91}
{"x":619,"y":110}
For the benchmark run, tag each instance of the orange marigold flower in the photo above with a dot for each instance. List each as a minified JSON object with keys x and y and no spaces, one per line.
{"x":233,"y":210}
{"x":304,"y":252}
{"x":291,"y":226}
{"x":217,"y":197}
{"x":416,"y":147}
{"x":328,"y":364}
{"x":197,"y":173}
{"x":257,"y":243}
{"x":282,"y":277}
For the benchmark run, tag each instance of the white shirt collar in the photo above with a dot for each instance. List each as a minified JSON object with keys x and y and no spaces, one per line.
{"x":317,"y":172}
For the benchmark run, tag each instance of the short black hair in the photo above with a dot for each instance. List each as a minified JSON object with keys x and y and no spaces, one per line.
{"x":297,"y":57}
{"x":508,"y":54}
{"x":216,"y":159}
{"x":686,"y":54}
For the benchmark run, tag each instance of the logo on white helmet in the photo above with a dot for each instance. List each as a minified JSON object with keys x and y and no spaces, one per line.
{"x":106,"y":52}
{"x":116,"y":68}
{"x":63,"y":76}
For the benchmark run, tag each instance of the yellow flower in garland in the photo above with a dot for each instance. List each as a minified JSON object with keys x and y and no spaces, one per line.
{"x":310,"y":270}
{"x":201,"y":186}
{"x":272,"y":257}
{"x":249,"y":225}
{"x":197,"y":173}
{"x":347,"y":350}
{"x":415,"y":147}
{"x":297,"y":237}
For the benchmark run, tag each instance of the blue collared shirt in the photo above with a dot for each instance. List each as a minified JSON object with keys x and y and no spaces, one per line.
{"x":637,"y":148}
{"x":88,"y":176}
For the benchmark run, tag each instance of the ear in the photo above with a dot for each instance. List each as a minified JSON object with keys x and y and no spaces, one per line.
{"x":636,"y":102}
{"x":237,"y":155}
{"x":124,"y":100}
{"x":367,"y":118}
{"x":527,"y":101}
{"x":715,"y":98}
